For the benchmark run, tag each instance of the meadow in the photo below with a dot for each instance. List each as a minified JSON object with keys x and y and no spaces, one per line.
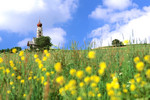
{"x":116,"y":73}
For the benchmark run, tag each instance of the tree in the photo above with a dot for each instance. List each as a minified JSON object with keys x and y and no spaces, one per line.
{"x":117,"y":43}
{"x":43,"y":42}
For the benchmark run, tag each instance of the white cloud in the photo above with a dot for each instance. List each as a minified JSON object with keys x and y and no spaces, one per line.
{"x":57,"y":36}
{"x":138,"y":24}
{"x":100,"y":31}
{"x":117,"y":4}
{"x":100,"y":13}
{"x":23,"y":43}
{"x":23,"y":15}
{"x":0,"y":39}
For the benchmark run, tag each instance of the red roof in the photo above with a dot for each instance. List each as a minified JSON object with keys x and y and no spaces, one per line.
{"x":39,"y":24}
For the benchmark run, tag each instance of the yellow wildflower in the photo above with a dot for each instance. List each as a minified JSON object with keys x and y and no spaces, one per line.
{"x":12,"y":74}
{"x":79,"y":98}
{"x":72,"y":72}
{"x":42,"y":79}
{"x":57,"y":67}
{"x":7,"y":71}
{"x":43,"y":69}
{"x":62,"y":91}
{"x":111,"y":93}
{"x":148,"y":73}
{"x":88,"y":70}
{"x":132,"y":87}
{"x":21,"y":53}
{"x":91,"y":54}
{"x":132,"y":81}
{"x":79,"y":74}
{"x":14,"y":68}
{"x":37,"y":60}
{"x":22,"y":58}
{"x":8,"y":91}
{"x":140,"y":66}
{"x":14,"y":50}
{"x":147,"y":58}
{"x":45,"y":51}
{"x":40,"y":66}
{"x":47,"y":74}
{"x":99,"y":95}
{"x":44,"y":58}
{"x":60,"y":80}
{"x":102,"y":65}
{"x":29,"y":78}
{"x":116,"y":86}
{"x":108,"y":86}
{"x":138,"y":79}
{"x":137,"y":75}
{"x":125,"y":90}
{"x":48,"y":55}
{"x":81,"y":84}
{"x":93,"y":85}
{"x":45,"y":83}
{"x":52,"y":72}
{"x":136,"y":59}
{"x":101,"y":71}
{"x":13,"y":87}
{"x":34,"y":77}
{"x":19,"y":77}
{"x":96,"y":79}
{"x":11,"y":83}
{"x":24,"y":95}
{"x":87,"y":80}
{"x":1,"y":60}
{"x":22,"y":81}
{"x":36,"y":56}
{"x":72,"y":82}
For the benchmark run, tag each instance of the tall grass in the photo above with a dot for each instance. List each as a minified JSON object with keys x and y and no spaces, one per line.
{"x":39,"y":85}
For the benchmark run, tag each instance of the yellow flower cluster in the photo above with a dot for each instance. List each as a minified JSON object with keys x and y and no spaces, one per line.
{"x":88,"y":70}
{"x":102,"y":68}
{"x":60,"y":80}
{"x":148,"y":73}
{"x":72,"y":72}
{"x":91,"y":54}
{"x":113,"y":89}
{"x":57,"y":67}
{"x":21,"y":54}
{"x":1,"y":60}
{"x":147,"y":58}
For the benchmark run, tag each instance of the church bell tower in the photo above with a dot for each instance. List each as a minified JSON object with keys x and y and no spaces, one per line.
{"x":39,"y":29}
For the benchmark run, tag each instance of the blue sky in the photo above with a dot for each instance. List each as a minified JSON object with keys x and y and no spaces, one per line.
{"x":92,"y":21}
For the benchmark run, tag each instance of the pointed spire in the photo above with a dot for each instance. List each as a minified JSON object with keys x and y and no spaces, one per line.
{"x":39,"y":24}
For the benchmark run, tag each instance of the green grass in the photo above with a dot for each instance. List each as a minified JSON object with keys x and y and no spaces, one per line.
{"x":118,"y":60}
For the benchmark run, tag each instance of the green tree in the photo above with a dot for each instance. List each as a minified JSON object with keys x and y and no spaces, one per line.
{"x":117,"y":43}
{"x":43,"y":42}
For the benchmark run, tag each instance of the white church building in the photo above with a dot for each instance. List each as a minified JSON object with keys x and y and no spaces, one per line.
{"x":39,"y":34}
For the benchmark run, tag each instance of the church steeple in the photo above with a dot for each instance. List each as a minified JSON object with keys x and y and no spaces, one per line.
{"x":39,"y":29}
{"x":39,"y":24}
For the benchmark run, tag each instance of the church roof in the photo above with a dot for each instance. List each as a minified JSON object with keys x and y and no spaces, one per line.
{"x":30,"y":43}
{"x":39,"y":24}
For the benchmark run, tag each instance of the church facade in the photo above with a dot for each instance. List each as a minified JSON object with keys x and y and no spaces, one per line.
{"x":39,"y":34}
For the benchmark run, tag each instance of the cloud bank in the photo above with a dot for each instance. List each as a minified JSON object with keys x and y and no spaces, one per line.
{"x":121,"y":24}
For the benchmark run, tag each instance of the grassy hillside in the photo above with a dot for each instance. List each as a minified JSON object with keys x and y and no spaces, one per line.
{"x":98,"y":74}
